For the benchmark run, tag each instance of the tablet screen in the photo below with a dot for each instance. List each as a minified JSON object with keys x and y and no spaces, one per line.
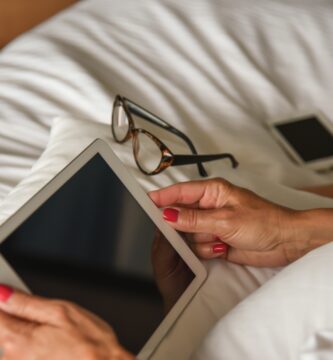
{"x":309,"y":138}
{"x":91,"y":243}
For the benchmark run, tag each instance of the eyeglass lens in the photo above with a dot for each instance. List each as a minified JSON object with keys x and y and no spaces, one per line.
{"x":147,"y":153}
{"x":120,"y":122}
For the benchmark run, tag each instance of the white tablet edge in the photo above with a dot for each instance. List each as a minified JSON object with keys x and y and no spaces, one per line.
{"x":10,"y":277}
{"x":317,"y":165}
{"x":99,"y":146}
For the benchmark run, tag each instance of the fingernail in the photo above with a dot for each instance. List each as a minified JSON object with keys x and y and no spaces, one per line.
{"x":219,"y":248}
{"x":170,"y":214}
{"x":5,"y":293}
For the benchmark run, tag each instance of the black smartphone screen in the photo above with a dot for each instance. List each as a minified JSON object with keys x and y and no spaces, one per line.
{"x":308,"y":137}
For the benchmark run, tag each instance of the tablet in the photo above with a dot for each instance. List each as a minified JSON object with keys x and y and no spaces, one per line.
{"x":307,"y":138}
{"x":87,"y":237}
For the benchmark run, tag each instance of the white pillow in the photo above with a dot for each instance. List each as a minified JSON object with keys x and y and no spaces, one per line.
{"x":227,"y":283}
{"x":289,"y":317}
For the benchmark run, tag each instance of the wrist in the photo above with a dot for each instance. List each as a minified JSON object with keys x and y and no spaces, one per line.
{"x":307,"y":230}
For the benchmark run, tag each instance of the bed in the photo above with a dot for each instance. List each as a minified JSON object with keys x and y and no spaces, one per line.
{"x":217,"y":70}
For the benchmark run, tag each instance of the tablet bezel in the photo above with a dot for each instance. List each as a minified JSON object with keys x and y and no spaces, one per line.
{"x":104,"y":150}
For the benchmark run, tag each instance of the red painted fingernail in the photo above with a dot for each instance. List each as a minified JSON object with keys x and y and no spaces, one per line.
{"x":219,"y":248}
{"x":170,"y":214}
{"x":5,"y":293}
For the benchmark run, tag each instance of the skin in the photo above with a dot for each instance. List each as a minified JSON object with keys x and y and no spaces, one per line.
{"x":326,"y":190}
{"x":256,"y":231}
{"x":34,"y":328}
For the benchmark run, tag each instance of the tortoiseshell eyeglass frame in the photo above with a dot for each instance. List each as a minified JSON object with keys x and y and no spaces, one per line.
{"x":167,"y":157}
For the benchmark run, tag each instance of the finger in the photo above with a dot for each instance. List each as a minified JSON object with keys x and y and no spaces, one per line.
{"x":210,"y":250}
{"x":209,"y":193}
{"x":37,"y":309}
{"x":182,"y":193}
{"x":201,"y":238}
{"x":215,"y":221}
{"x":12,"y":325}
{"x":30,"y":307}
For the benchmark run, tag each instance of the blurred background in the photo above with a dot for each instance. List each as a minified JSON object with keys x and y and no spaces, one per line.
{"x":18,"y":16}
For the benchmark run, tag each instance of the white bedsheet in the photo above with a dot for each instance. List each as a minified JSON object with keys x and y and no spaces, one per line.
{"x":227,"y":284}
{"x":215,"y":69}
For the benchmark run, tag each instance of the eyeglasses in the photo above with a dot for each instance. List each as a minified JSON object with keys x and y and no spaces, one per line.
{"x":151,"y":155}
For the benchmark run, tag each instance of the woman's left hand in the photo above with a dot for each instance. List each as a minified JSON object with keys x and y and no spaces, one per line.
{"x":34,"y":328}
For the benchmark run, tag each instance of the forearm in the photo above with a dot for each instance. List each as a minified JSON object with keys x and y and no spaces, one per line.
{"x":308,"y":230}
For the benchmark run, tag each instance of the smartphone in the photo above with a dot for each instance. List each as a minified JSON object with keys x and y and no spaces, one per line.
{"x":307,"y":138}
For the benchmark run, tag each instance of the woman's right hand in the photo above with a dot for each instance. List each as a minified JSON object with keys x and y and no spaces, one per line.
{"x":227,"y":221}
{"x":35,"y":328}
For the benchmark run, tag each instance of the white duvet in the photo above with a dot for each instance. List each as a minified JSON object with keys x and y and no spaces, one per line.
{"x":218,"y":70}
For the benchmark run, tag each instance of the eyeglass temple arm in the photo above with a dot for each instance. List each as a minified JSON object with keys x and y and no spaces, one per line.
{"x":194,"y":159}
{"x":148,"y":116}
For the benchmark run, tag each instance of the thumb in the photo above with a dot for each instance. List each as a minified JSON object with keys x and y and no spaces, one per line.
{"x":193,"y":220}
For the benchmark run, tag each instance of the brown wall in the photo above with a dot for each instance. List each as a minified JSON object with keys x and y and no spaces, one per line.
{"x":17,"y":16}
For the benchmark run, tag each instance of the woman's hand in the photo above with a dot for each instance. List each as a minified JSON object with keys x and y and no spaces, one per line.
{"x":34,"y":328}
{"x":233,"y":223}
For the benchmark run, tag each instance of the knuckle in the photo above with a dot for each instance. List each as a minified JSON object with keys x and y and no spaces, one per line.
{"x":61,"y":311}
{"x":89,"y":352}
{"x":191,"y":219}
{"x":214,"y":182}
{"x":224,"y":186}
{"x":8,"y":342}
{"x":22,"y":308}
{"x":219,"y":181}
{"x":219,"y":191}
{"x":12,"y":345}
